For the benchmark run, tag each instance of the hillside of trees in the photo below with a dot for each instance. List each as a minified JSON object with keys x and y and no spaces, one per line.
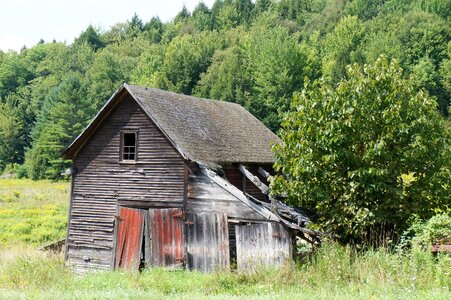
{"x":257,"y":54}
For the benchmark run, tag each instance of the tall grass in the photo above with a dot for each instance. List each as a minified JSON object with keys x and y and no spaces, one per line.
{"x":334,"y":272}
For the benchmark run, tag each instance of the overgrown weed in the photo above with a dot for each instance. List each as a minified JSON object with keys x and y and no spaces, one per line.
{"x":32,"y":212}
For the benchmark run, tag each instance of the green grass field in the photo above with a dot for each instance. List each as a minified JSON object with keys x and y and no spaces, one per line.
{"x":33,"y":213}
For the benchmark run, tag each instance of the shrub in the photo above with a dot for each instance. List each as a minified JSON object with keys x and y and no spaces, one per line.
{"x":364,"y":156}
{"x":435,"y":231}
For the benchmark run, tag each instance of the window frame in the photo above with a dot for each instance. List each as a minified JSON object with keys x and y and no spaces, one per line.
{"x":121,"y":147}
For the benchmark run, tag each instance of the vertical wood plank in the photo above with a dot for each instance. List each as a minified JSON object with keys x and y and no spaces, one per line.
{"x":208,"y":242}
{"x":167,"y":237}
{"x":262,"y":245}
{"x":130,"y":237}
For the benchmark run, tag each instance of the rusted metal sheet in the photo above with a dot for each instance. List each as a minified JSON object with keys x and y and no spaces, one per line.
{"x":129,"y":238}
{"x":262,"y":245}
{"x":166,"y":232}
{"x":207,"y":242}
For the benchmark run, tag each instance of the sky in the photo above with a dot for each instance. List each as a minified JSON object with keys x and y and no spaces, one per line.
{"x":25,"y":22}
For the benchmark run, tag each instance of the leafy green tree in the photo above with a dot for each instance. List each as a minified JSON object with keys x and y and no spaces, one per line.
{"x":364,"y":156}
{"x":154,"y":30}
{"x":117,"y":33}
{"x":322,"y":15}
{"x":148,"y":67}
{"x":340,"y":48}
{"x":11,"y":138}
{"x":112,"y":67}
{"x":185,"y":59}
{"x":227,"y":77}
{"x":382,"y":38}
{"x":14,"y":73}
{"x":227,"y":17}
{"x":244,"y":8}
{"x":276,"y":67}
{"x":261,"y":6}
{"x":202,"y":17}
{"x":136,"y":26}
{"x":137,"y":23}
{"x":229,"y":14}
{"x":290,"y":9}
{"x":363,"y":9}
{"x":182,"y":15}
{"x":441,"y":8}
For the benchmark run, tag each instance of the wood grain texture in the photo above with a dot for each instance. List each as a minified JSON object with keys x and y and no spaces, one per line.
{"x":167,"y":237}
{"x":207,"y":242}
{"x":100,"y":181}
{"x":205,"y":196}
{"x":129,"y":238}
{"x":262,"y":245}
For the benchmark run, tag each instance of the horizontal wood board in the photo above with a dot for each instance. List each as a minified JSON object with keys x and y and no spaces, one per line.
{"x":156,"y":179}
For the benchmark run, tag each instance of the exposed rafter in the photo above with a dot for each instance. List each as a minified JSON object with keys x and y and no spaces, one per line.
{"x":255,"y":180}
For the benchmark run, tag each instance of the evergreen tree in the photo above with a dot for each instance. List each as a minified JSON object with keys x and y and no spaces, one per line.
{"x":91,"y":37}
{"x":65,"y":113}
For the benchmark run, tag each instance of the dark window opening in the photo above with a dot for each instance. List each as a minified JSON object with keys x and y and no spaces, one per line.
{"x":129,"y":146}
{"x":232,"y":246}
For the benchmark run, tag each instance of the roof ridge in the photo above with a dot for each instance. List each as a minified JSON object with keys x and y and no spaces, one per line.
{"x":185,"y":95}
{"x":212,"y":132}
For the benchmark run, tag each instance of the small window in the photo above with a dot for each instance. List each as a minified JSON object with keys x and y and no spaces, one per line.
{"x":128,"y":146}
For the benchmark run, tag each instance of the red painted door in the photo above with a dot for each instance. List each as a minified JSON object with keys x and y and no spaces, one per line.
{"x":129,"y":238}
{"x":166,"y":231}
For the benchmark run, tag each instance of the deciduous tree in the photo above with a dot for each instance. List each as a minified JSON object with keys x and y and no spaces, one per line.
{"x":366,"y":154}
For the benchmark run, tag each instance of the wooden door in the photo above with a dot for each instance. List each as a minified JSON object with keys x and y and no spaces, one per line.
{"x":262,"y":245}
{"x":129,"y":238}
{"x":166,"y":234}
{"x":207,"y":242}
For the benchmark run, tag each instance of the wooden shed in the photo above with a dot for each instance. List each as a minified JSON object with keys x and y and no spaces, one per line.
{"x":168,"y":180}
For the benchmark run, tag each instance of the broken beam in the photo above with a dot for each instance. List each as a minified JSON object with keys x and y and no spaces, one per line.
{"x":255,"y":180}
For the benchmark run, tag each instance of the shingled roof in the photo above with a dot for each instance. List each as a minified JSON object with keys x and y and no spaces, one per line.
{"x":206,"y":131}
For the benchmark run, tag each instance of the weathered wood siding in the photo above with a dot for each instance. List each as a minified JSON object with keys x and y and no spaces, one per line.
{"x":262,"y":245}
{"x":205,"y":196}
{"x":100,"y":182}
{"x":166,"y":237}
{"x":207,"y":242}
{"x":129,"y":237}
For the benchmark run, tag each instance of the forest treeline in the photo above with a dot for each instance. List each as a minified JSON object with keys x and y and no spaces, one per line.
{"x":257,"y":54}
